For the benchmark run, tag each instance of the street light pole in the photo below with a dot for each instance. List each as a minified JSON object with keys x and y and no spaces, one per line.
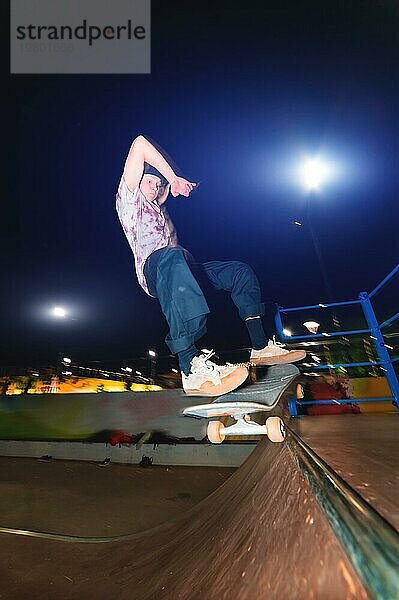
{"x":152,"y":354}
{"x":314,"y":172}
{"x":319,"y":255}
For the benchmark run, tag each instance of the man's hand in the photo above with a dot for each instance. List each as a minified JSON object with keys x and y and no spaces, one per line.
{"x":181,"y":186}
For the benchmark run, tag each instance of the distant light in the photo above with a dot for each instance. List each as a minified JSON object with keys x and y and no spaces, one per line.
{"x":323,"y":305}
{"x":128,"y":369}
{"x":67,"y":360}
{"x":35,"y":374}
{"x":298,"y":223}
{"x":314,"y":172}
{"x":58,"y":311}
{"x":311,"y":326}
{"x":175,"y":371}
{"x":287,"y":332}
{"x":313,"y":374}
{"x":67,"y":372}
{"x":138,"y":373}
{"x":152,"y":353}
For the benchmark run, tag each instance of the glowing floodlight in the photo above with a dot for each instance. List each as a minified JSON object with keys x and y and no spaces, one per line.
{"x":58,"y":311}
{"x":312,"y":326}
{"x":152,"y":353}
{"x":314,"y":173}
{"x":287,"y":332}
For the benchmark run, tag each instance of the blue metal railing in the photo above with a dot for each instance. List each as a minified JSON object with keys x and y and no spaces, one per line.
{"x":374,"y":329}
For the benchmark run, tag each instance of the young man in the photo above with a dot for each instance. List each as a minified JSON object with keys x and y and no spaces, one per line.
{"x":165,"y":271}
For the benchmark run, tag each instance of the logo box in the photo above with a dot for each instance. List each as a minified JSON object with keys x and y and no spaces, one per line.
{"x":80,"y":36}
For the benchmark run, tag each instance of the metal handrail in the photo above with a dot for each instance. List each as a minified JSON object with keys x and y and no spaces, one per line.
{"x":390,"y":320}
{"x":374,"y":328}
{"x":320,"y":305}
{"x":342,"y":401}
{"x":338,"y":365}
{"x":384,"y":281}
{"x":323,"y":335}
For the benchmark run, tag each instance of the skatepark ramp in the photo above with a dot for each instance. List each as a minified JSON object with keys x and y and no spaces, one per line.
{"x":272,"y":530}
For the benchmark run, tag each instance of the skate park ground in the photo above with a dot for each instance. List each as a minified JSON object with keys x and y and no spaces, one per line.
{"x":247,"y":533}
{"x":82,"y":499}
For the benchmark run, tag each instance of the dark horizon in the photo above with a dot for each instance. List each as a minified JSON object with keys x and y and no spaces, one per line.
{"x":236,"y":96}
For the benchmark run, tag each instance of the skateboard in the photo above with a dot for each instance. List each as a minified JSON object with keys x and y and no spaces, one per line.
{"x":264,"y":395}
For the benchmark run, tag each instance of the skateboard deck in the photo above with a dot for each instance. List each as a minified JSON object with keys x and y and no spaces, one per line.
{"x":262,"y":396}
{"x":225,"y":409}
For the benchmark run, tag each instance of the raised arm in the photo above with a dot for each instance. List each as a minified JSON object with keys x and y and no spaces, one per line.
{"x":142,"y":151}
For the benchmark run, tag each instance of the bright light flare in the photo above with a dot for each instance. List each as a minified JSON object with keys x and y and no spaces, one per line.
{"x":315,"y":172}
{"x":287,"y":332}
{"x":312,"y":326}
{"x":59,"y":312}
{"x":152,"y":353}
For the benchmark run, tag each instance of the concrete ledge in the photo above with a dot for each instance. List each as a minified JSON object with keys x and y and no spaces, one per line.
{"x":200,"y":455}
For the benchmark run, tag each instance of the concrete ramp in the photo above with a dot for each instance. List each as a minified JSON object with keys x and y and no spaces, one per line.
{"x":260,"y":535}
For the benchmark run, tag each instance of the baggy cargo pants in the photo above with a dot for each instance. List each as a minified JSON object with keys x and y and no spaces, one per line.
{"x":170,"y":275}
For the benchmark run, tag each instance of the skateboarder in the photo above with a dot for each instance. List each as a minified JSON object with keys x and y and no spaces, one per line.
{"x":165,"y":270}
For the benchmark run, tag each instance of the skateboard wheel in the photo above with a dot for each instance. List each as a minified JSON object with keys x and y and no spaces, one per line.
{"x":213,"y":432}
{"x":275,"y":429}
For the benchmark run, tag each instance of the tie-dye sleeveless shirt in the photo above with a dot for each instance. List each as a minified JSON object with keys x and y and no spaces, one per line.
{"x":147,"y":226}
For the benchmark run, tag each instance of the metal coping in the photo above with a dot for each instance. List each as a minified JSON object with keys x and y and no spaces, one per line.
{"x":370,"y":542}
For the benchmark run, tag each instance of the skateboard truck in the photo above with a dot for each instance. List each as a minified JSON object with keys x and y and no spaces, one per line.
{"x":273,"y":428}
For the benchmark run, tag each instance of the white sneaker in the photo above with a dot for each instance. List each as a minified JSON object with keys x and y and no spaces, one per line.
{"x":275,"y":353}
{"x":206,"y":378}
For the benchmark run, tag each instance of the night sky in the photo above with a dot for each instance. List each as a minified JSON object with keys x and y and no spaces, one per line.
{"x":238,"y":93}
